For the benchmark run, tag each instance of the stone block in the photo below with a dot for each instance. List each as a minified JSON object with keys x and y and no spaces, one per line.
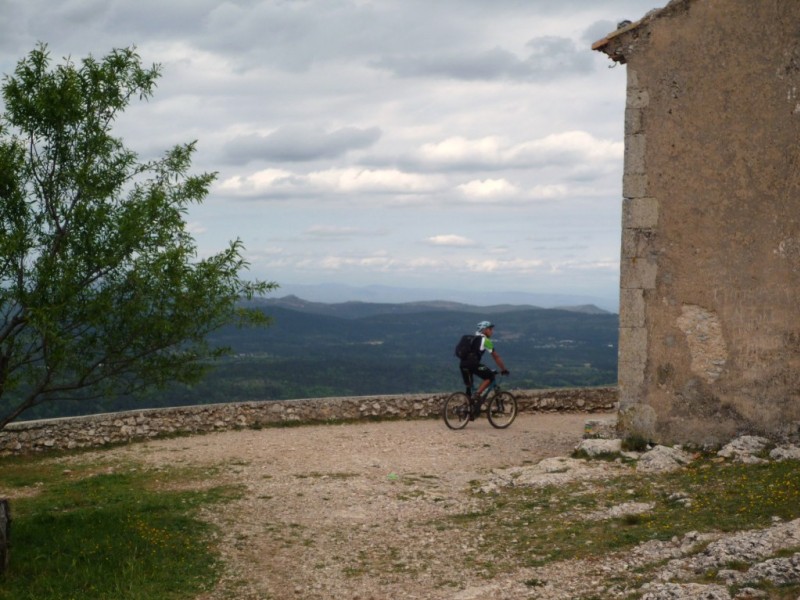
{"x":634,"y":185}
{"x":638,"y":419}
{"x":633,"y":121}
{"x":640,"y":213}
{"x":629,"y":244}
{"x":637,"y":97}
{"x":634,"y":153}
{"x":633,"y":345}
{"x":638,"y":273}
{"x":631,"y":308}
{"x":600,"y":446}
{"x":600,"y":429}
{"x":637,"y":243}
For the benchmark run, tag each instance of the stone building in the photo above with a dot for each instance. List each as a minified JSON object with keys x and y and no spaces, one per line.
{"x":710,"y":271}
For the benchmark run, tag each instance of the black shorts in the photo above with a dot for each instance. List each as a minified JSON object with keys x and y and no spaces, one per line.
{"x":481,"y":370}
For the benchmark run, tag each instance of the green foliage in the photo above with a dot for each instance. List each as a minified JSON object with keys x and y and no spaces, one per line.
{"x":101,"y":291}
{"x":107,"y":531}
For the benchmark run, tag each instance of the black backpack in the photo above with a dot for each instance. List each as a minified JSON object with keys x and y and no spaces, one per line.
{"x":468,"y":347}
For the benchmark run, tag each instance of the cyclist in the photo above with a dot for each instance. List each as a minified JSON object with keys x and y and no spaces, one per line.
{"x":472,"y":364}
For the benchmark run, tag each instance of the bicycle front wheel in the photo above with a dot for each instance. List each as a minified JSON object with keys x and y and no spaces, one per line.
{"x":502,"y":410}
{"x":456,"y":410}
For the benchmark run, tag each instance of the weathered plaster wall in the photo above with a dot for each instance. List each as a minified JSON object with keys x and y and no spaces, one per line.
{"x":710,"y":272}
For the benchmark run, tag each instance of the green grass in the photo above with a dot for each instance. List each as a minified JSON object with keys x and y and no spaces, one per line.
{"x":107,"y":531}
{"x":526,"y":526}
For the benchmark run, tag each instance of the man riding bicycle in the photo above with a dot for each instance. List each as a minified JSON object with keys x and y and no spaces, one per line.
{"x":471,"y":365}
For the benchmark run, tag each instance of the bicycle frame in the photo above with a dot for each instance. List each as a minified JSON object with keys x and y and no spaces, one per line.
{"x":500,"y":406}
{"x":493,"y":387}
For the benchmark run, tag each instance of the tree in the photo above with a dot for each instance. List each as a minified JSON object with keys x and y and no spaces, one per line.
{"x":101,"y":290}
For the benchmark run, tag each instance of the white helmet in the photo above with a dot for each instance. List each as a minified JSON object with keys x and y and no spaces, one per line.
{"x":484,"y":325}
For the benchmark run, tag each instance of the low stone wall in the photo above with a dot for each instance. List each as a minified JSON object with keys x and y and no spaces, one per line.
{"x":113,"y":428}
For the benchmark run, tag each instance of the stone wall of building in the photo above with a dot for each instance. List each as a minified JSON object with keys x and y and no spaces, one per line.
{"x":115,"y":428}
{"x":710,"y":263}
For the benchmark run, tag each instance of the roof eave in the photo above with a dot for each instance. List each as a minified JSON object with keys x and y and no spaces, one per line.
{"x":599,"y":44}
{"x":605,"y":44}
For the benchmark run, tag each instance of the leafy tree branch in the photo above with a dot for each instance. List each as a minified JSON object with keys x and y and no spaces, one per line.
{"x":101,"y":289}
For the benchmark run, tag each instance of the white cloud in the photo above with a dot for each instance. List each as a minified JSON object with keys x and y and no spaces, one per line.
{"x":460,"y":150}
{"x":336,"y":263}
{"x":548,"y":192}
{"x":195,"y":228}
{"x":385,"y":263}
{"x":493,"y":152}
{"x":380,"y":262}
{"x":488,"y":188}
{"x":331,"y":231}
{"x":568,"y":145}
{"x":605,"y":264}
{"x":356,"y":179}
{"x":450,"y":240}
{"x":425,"y":263}
{"x":516,"y":265}
{"x":256,"y":184}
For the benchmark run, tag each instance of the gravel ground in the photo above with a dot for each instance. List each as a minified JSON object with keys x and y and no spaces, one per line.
{"x":350,"y":511}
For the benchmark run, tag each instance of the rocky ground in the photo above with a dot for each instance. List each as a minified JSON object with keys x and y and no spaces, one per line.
{"x":351,"y":512}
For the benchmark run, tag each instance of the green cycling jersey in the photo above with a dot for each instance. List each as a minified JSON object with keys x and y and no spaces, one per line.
{"x":487,"y":345}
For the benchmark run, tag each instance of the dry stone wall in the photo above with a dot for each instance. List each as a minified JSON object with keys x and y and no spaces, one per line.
{"x":115,"y":428}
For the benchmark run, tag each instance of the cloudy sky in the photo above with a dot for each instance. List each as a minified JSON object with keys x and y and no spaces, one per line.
{"x":459,"y":144}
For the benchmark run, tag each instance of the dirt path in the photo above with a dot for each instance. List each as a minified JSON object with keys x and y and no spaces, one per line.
{"x":351,"y":511}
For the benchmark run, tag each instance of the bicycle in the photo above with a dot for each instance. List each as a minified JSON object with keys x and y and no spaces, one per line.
{"x":460,"y":408}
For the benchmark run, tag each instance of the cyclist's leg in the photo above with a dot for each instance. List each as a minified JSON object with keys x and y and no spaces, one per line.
{"x":466,"y":375}
{"x":486,"y":374}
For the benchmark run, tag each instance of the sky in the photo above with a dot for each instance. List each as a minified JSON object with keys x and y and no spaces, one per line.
{"x":430,"y":144}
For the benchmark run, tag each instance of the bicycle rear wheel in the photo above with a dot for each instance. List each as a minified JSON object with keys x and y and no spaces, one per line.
{"x":502,"y":410}
{"x":456,"y":410}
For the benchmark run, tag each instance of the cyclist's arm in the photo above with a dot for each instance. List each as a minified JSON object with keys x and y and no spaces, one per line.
{"x":498,"y":360}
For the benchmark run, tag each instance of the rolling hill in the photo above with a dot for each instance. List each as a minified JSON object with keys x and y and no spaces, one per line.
{"x":315,"y":349}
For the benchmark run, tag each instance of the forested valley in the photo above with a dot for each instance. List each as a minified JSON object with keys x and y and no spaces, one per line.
{"x":354,"y":348}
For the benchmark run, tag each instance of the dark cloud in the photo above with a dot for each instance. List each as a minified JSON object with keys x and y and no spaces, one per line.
{"x":81,"y":27}
{"x":552,"y":56}
{"x":548,"y":57}
{"x":597,"y":31}
{"x":299,"y":36}
{"x":297,"y":143}
{"x":491,"y":64}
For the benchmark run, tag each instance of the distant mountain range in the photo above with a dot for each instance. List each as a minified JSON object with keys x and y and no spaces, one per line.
{"x":358,"y":309}
{"x":334,"y":293}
